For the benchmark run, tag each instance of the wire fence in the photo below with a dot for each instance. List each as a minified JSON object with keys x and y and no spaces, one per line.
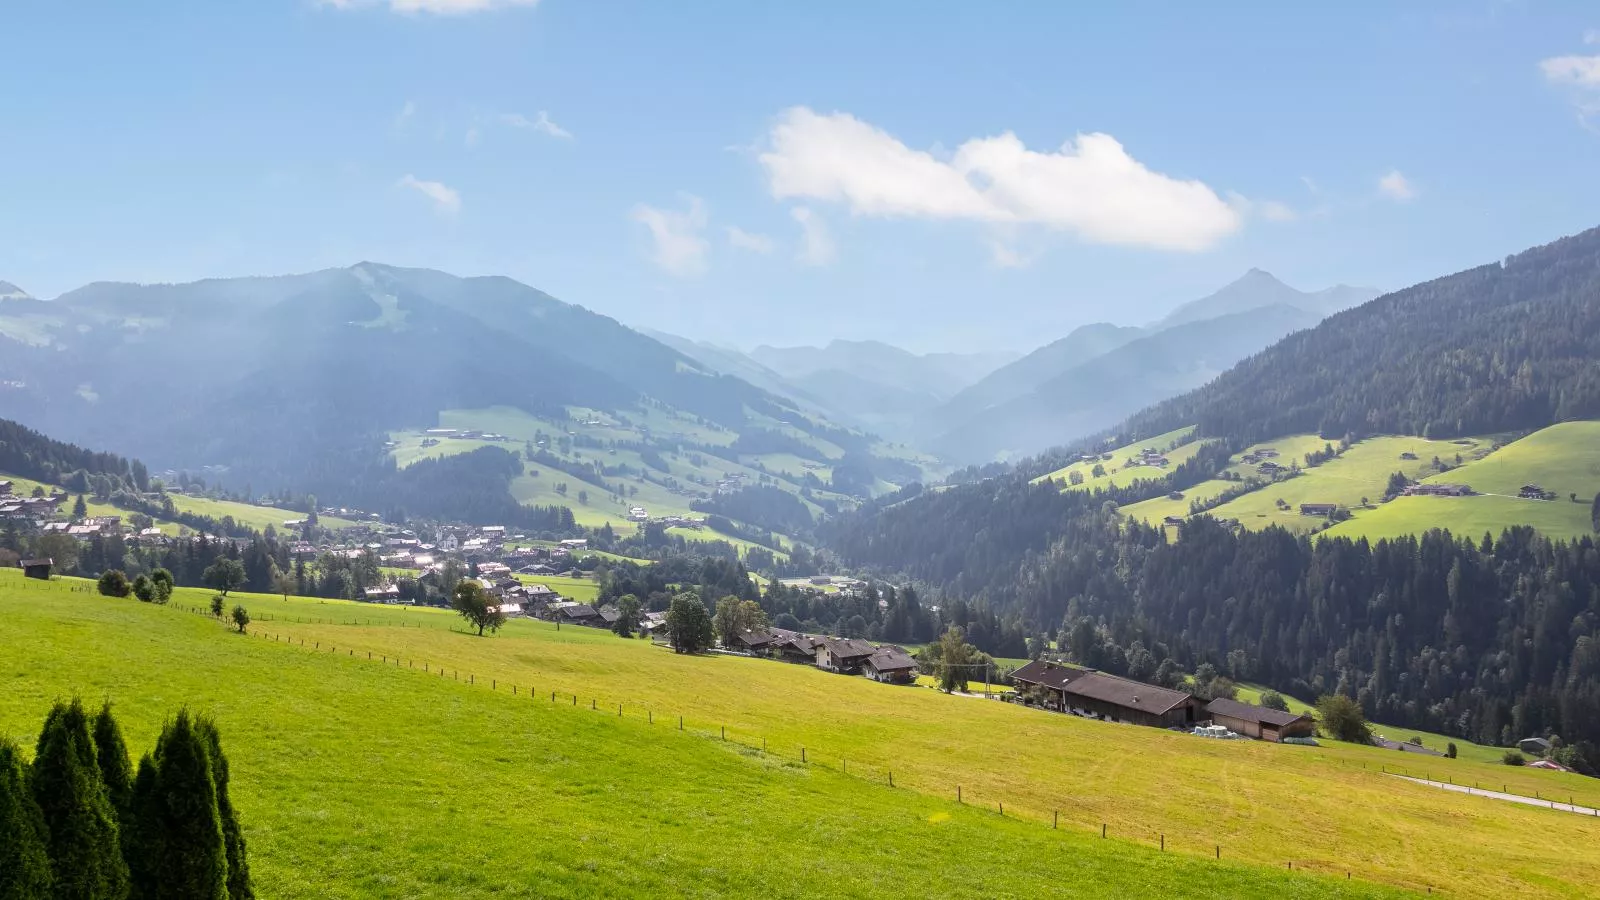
{"x":680,"y":722}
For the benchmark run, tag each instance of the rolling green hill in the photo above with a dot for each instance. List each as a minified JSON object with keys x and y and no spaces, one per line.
{"x":337,"y":800}
{"x":1563,"y":459}
{"x":1114,"y":464}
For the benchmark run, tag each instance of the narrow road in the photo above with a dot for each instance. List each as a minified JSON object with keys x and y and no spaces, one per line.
{"x":1514,"y":798}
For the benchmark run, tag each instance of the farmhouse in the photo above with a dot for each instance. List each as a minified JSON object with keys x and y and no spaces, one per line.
{"x":1172,"y":520}
{"x":37,"y":568}
{"x":5,"y":487}
{"x":1532,"y":492}
{"x":762,"y":641}
{"x":575,"y":614}
{"x":1258,"y":721}
{"x":1098,"y":695}
{"x":1270,"y":468}
{"x":891,"y":666}
{"x":1318,"y":509}
{"x":798,"y":648}
{"x":843,"y":654}
{"x":1438,"y":490}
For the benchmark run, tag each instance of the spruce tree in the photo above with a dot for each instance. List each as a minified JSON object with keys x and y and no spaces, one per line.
{"x":112,"y":755}
{"x":232,"y":835}
{"x":179,"y":829}
{"x":24,"y":862}
{"x":85,"y":853}
{"x":143,"y":844}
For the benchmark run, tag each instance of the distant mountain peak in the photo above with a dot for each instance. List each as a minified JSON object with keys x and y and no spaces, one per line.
{"x":9,"y":291}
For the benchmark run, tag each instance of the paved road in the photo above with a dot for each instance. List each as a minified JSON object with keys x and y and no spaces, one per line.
{"x":1514,"y":798}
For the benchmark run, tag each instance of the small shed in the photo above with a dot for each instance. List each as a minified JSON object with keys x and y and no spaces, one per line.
{"x":1259,"y":721}
{"x":37,"y":568}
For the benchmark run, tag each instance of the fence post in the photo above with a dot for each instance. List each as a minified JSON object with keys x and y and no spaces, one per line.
{"x":802,"y":754}
{"x":1219,"y":851}
{"x":1102,"y":829}
{"x":724,"y":732}
{"x":652,"y":714}
{"x":619,"y":710}
{"x":1002,"y":807}
{"x":1055,"y":821}
{"x":680,"y":723}
{"x":958,"y":793}
{"x":891,"y":778}
{"x":1163,"y":843}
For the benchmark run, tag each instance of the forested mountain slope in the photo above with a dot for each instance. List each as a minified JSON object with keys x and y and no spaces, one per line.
{"x":1513,"y":345}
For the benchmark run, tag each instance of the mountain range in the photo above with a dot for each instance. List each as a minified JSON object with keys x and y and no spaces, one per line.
{"x":980,"y":407}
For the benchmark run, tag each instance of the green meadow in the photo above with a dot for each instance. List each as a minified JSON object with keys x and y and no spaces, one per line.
{"x":1563,"y":458}
{"x":1117,"y":474}
{"x":1361,"y":472}
{"x":363,"y":778}
{"x":247,"y":514}
{"x":1329,"y":809}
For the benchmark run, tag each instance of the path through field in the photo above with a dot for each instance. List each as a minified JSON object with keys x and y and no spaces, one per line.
{"x":1515,"y":798}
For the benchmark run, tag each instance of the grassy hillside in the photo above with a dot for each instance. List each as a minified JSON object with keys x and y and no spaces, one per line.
{"x":248,"y":514}
{"x":360,"y":778}
{"x":1329,"y":809}
{"x":1563,"y":458}
{"x":1116,"y":473}
{"x":1361,"y":472}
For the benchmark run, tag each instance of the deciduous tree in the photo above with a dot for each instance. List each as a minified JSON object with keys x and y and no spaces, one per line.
{"x":114,"y":583}
{"x":241,"y":618}
{"x":1342,"y":719}
{"x":689,"y":625}
{"x":475,"y":605}
{"x":224,"y":575}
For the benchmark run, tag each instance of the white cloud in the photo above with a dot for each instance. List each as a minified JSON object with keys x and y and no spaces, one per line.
{"x":1090,"y":186}
{"x":746,"y":240}
{"x":471,"y":139}
{"x":1580,"y":75}
{"x":1396,"y":187}
{"x":1572,"y":71}
{"x":816,"y":242}
{"x":540,"y":123}
{"x":445,"y":199}
{"x":680,"y":244}
{"x":436,"y":7}
{"x":1275,"y":211}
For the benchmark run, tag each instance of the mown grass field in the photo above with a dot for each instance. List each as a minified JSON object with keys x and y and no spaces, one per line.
{"x":1362,"y":471}
{"x":1329,"y":809}
{"x":248,"y":514}
{"x":1563,"y":458}
{"x":1115,"y":473}
{"x":360,"y":778}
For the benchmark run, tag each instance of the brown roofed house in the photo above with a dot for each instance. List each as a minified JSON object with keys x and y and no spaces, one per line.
{"x":891,"y":666}
{"x":843,"y":654}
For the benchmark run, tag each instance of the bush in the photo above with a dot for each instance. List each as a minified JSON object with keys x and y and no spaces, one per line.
{"x":241,"y":618}
{"x":217,"y":603}
{"x":1450,"y":750}
{"x":1514,"y":758}
{"x":1274,"y":700}
{"x":162,"y":579}
{"x":114,"y":583}
{"x":144,"y":588}
{"x":1342,"y":719}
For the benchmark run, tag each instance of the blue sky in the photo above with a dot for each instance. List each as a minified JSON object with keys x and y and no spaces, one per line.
{"x":938,"y":175}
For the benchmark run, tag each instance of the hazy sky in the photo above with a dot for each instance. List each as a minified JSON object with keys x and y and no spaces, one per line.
{"x":939,"y":175}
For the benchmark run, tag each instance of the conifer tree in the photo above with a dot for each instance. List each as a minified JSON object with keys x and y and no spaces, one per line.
{"x":83,"y":845}
{"x":179,"y":832}
{"x":143,"y":843}
{"x":111,"y":753}
{"x":232,"y":835}
{"x":24,"y":863}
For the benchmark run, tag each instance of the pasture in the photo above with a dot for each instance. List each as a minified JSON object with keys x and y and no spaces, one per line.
{"x":358,"y":778}
{"x":1116,"y":472}
{"x":1327,"y":809}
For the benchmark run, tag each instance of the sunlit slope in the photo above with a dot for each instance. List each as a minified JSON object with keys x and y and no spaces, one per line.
{"x":360,"y":778}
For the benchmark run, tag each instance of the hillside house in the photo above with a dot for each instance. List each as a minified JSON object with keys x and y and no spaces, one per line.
{"x":761,"y":641}
{"x":1322,"y":510}
{"x":1404,"y":747}
{"x":1438,"y":490}
{"x":891,"y":665}
{"x":1270,"y":468}
{"x":1533,"y":492}
{"x":1258,"y":721}
{"x":37,"y":568}
{"x":797,"y":648}
{"x":1536,"y":746}
{"x":1098,"y":695}
{"x":576,"y":614}
{"x":1172,"y":521}
{"x":5,"y":488}
{"x":845,"y":655}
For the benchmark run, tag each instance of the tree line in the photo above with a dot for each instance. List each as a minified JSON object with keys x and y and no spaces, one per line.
{"x":80,"y":821}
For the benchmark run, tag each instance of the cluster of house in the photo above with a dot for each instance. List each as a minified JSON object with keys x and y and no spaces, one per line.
{"x":848,"y":656}
{"x":1535,"y":492}
{"x":1149,"y":456}
{"x":1097,"y":695}
{"x":1259,"y":455}
{"x":464,"y":434}
{"x":14,"y":506}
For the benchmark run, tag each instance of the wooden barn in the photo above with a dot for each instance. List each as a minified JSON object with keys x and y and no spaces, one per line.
{"x":1258,"y":721}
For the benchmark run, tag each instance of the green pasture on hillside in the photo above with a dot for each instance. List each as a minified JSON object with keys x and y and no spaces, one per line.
{"x":364,"y":778}
{"x":1329,"y":809}
{"x":1115,"y":473}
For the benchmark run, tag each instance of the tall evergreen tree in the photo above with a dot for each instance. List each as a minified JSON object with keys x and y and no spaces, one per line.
{"x":85,"y":854}
{"x":239,"y":887}
{"x":24,"y":863}
{"x":111,"y":753}
{"x":179,"y":831}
